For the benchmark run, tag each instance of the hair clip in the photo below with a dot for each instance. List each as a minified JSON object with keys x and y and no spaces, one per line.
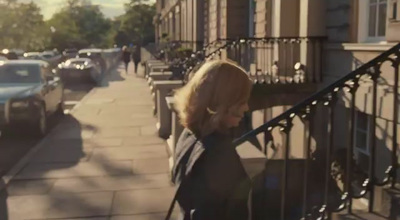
{"x":211,"y":111}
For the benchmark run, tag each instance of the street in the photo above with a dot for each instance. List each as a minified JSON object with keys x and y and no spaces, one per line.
{"x":12,"y":149}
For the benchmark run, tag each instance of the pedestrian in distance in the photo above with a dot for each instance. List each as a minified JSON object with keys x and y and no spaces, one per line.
{"x":210,"y":178}
{"x":126,"y":57}
{"x":136,"y":57}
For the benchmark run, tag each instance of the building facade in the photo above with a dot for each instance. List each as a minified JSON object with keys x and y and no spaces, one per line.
{"x":353,"y":31}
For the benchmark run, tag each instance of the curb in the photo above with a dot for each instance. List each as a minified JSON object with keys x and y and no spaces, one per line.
{"x":6,"y":179}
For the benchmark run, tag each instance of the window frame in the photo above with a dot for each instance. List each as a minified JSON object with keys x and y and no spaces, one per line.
{"x":363,"y":22}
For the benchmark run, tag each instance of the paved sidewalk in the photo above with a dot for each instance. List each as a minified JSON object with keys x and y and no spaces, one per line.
{"x":103,"y":161}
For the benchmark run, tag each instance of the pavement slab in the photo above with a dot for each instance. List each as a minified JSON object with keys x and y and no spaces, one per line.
{"x":62,"y":205}
{"x":111,"y":183}
{"x":97,"y":167}
{"x":88,"y":143}
{"x":29,"y":187}
{"x":62,"y":154}
{"x":143,"y":140}
{"x":149,"y":166}
{"x":130,"y":153}
{"x":118,"y":132}
{"x":142,"y":201}
{"x":155,"y":216}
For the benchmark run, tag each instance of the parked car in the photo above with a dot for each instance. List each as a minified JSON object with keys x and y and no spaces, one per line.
{"x":29,"y":93}
{"x":95,"y":55}
{"x":70,"y":53}
{"x":3,"y":58}
{"x":79,"y":70}
{"x":51,"y":57}
{"x":32,"y":56}
{"x":9,"y":54}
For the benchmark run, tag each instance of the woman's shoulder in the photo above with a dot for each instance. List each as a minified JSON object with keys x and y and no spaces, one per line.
{"x":216,"y":141}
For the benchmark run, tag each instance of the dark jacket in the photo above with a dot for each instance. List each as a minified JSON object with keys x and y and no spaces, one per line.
{"x":126,"y":56}
{"x":136,"y":54}
{"x":217,"y":186}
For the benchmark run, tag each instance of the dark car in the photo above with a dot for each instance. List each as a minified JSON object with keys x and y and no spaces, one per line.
{"x":79,"y":70}
{"x":32,"y":56}
{"x":29,"y":93}
{"x":70,"y":53}
{"x":96,"y":55}
{"x":11,"y":55}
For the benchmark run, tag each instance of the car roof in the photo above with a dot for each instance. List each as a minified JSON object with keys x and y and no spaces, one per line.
{"x":78,"y":59}
{"x":90,"y":50}
{"x":32,"y":53}
{"x":25,"y":62}
{"x":71,"y":50}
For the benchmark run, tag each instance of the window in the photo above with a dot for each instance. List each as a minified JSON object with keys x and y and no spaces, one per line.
{"x":394,"y":11}
{"x":252,"y":18}
{"x":377,"y":18}
{"x":162,"y":4}
{"x":372,"y":18}
{"x":362,"y":129}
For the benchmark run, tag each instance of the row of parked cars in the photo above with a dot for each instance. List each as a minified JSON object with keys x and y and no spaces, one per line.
{"x":32,"y":89}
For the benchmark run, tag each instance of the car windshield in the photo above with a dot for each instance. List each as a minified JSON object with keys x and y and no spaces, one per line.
{"x":26,"y":73}
{"x":46,"y":55}
{"x":71,"y":51}
{"x":78,"y":62}
{"x":89,"y":55}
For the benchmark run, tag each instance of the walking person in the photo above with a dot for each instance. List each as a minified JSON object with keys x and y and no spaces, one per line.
{"x":212,"y":183}
{"x":126,"y":57}
{"x":136,"y":57}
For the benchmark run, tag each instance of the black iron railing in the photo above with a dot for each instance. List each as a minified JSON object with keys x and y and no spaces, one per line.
{"x":182,"y":66}
{"x":321,"y":194}
{"x":267,"y":60}
{"x":278,"y":59}
{"x":172,"y":50}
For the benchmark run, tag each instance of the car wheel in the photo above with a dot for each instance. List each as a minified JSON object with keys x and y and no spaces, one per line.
{"x":39,"y":129}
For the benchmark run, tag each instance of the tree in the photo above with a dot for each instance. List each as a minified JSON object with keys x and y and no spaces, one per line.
{"x":21,"y":25}
{"x":79,"y":24}
{"x":137,"y":23}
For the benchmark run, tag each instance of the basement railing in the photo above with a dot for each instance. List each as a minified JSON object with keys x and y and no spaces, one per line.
{"x":328,"y":137}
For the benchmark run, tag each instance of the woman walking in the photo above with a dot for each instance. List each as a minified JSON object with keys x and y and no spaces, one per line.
{"x":136,"y":57}
{"x":213,"y":184}
{"x":126,"y":57}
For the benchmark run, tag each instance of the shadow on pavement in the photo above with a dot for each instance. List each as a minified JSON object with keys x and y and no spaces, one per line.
{"x":115,"y":74}
{"x":68,"y":153}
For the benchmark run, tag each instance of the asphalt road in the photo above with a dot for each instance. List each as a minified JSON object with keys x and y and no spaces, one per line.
{"x":12,"y":149}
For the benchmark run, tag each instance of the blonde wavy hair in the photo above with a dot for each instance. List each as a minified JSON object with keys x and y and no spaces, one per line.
{"x":216,"y":89}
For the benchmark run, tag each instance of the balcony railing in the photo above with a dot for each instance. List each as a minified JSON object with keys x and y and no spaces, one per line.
{"x":267,"y":60}
{"x":171,"y":50}
{"x":318,"y":193}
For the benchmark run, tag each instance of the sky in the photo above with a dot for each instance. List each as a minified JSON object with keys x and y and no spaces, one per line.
{"x":110,"y":8}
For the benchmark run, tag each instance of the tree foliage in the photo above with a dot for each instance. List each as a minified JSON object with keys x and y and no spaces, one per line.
{"x":21,"y":25}
{"x":136,"y":25}
{"x":76,"y":24}
{"x":79,"y":25}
